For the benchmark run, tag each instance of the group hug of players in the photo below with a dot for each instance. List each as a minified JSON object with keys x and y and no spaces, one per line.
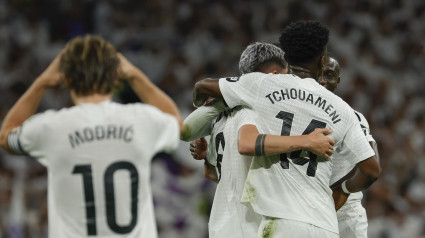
{"x":290,"y":157}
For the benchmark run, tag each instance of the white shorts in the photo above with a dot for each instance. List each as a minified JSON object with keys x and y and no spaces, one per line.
{"x":281,"y":228}
{"x":352,"y":221}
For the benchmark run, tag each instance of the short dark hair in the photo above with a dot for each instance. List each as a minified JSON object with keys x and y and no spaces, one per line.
{"x":303,"y":41}
{"x":90,"y":65}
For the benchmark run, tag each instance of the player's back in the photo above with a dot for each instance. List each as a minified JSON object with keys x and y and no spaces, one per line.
{"x":98,"y":158}
{"x":229,"y":218}
{"x":217,"y":142}
{"x":294,"y":185}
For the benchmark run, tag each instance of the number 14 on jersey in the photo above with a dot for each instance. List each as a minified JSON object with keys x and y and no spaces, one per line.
{"x":297,"y":156}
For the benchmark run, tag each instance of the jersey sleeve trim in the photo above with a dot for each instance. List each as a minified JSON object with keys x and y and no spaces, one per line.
{"x":175,"y":135}
{"x":363,"y":155}
{"x":364,"y":124}
{"x":14,"y":143}
{"x":370,"y":138}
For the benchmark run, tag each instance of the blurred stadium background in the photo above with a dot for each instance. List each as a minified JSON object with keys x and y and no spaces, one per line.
{"x":379,"y":44}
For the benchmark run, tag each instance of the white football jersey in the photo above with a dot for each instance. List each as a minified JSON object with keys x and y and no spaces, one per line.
{"x":294,"y":185}
{"x":229,"y":218}
{"x":217,"y":143}
{"x":98,"y":158}
{"x":341,"y":162}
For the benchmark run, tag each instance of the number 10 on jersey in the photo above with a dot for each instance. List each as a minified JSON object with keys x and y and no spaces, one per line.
{"x":86,"y":171}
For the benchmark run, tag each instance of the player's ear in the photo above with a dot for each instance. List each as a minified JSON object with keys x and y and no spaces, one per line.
{"x":322,"y":61}
{"x":339,"y":79}
{"x":324,"y":58}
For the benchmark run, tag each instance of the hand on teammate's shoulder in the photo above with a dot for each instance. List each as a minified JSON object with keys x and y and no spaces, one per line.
{"x":320,"y":144}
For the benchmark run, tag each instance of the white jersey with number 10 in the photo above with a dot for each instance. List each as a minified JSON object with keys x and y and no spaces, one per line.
{"x":98,"y":158}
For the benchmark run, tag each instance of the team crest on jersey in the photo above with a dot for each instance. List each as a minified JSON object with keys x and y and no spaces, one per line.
{"x":232,"y":79}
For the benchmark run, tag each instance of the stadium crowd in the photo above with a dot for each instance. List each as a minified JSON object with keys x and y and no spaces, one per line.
{"x":379,"y":44}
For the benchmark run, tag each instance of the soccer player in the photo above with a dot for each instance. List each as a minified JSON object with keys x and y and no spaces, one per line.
{"x":291,"y":190}
{"x":98,"y":152}
{"x":352,"y":218}
{"x":229,"y":218}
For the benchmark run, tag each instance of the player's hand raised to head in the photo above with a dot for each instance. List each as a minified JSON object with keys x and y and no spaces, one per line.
{"x":320,"y":144}
{"x":126,"y":69}
{"x":52,"y":76}
{"x":198,"y":148}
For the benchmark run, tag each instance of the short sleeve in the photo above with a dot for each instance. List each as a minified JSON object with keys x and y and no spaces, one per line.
{"x":357,"y":143}
{"x":27,"y":139}
{"x":245,"y":117}
{"x":168,"y":133}
{"x":365,"y":126}
{"x":242,"y":90}
{"x":14,"y":142}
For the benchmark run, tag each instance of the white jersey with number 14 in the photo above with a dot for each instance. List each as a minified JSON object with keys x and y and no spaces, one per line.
{"x":294,"y":186}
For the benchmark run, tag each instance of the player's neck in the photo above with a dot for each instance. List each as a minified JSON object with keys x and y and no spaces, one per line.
{"x":93,"y":98}
{"x":301,"y":72}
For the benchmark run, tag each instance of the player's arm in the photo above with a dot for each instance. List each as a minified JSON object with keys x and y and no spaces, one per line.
{"x":198,"y":123}
{"x":147,"y":91}
{"x":366,"y":174}
{"x":235,"y":91}
{"x":363,"y":174}
{"x":204,"y":89}
{"x":210,"y":172}
{"x":374,"y":146}
{"x":198,"y":149}
{"x":28,"y":103}
{"x":251,"y":143}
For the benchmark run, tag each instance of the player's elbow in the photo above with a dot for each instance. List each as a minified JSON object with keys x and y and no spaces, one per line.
{"x":375,"y":171}
{"x":202,"y":85}
{"x":204,"y":89}
{"x":246,"y":148}
{"x":198,"y":86}
{"x":374,"y":175}
{"x":199,"y":97}
{"x":371,"y":169}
